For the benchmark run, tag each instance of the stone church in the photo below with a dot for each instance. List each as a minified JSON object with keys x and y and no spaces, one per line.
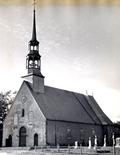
{"x":42,"y":115}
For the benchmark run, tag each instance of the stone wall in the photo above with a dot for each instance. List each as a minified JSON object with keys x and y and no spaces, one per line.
{"x":33,"y":119}
{"x":64,"y":133}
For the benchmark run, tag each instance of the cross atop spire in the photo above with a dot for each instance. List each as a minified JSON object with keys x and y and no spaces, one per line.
{"x":34,"y":2}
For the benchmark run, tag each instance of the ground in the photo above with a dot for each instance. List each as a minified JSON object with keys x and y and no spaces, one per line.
{"x":57,"y":151}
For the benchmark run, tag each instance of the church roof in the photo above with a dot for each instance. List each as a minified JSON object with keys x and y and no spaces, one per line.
{"x":62,"y":105}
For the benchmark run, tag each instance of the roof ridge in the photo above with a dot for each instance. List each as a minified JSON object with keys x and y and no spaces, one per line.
{"x":64,"y":90}
{"x":84,"y":107}
{"x":86,"y":98}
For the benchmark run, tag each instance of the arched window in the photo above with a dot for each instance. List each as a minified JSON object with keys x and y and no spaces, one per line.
{"x":35,"y":139}
{"x":23,"y":112}
{"x":93,"y":132}
{"x":36,"y":64}
{"x":31,"y":47}
{"x":69,"y":136}
{"x":35,"y":47}
{"x":31,"y":64}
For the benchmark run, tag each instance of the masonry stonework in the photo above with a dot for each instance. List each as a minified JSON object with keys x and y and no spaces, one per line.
{"x":33,"y":120}
{"x":64,"y":133}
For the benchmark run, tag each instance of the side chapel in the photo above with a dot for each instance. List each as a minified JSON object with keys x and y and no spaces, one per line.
{"x":42,"y":115}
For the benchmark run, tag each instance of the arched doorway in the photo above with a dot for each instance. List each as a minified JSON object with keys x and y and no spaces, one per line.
{"x":35,"y":139}
{"x":9,"y":141}
{"x":22,"y":136}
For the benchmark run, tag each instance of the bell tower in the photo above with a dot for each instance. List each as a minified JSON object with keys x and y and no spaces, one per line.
{"x":33,"y":61}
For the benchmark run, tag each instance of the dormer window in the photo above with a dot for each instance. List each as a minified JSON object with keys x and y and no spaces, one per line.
{"x":23,"y":112}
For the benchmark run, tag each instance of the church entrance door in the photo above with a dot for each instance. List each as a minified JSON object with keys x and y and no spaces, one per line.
{"x":9,"y":141}
{"x":22,"y":136}
{"x":35,"y":139}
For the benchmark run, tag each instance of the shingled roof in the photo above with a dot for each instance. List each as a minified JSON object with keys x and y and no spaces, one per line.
{"x":63,"y":105}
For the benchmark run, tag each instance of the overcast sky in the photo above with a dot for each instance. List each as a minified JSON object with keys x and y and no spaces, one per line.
{"x":79,"y":45}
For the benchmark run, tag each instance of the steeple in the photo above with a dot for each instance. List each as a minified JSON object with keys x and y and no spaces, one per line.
{"x":34,"y":37}
{"x":33,"y":61}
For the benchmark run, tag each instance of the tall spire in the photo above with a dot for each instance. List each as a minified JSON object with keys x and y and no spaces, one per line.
{"x":34,"y":25}
{"x":34,"y":36}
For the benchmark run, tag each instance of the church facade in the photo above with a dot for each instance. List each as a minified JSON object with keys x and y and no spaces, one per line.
{"x":43,"y":115}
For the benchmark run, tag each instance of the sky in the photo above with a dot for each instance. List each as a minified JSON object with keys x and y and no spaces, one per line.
{"x":79,"y":45}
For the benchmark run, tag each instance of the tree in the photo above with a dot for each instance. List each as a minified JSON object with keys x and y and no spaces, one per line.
{"x":6,"y":100}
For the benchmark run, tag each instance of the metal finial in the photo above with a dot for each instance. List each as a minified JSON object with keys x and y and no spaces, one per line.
{"x":34,"y":3}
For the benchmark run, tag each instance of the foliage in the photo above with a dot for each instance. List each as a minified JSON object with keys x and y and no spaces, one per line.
{"x":6,"y":100}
